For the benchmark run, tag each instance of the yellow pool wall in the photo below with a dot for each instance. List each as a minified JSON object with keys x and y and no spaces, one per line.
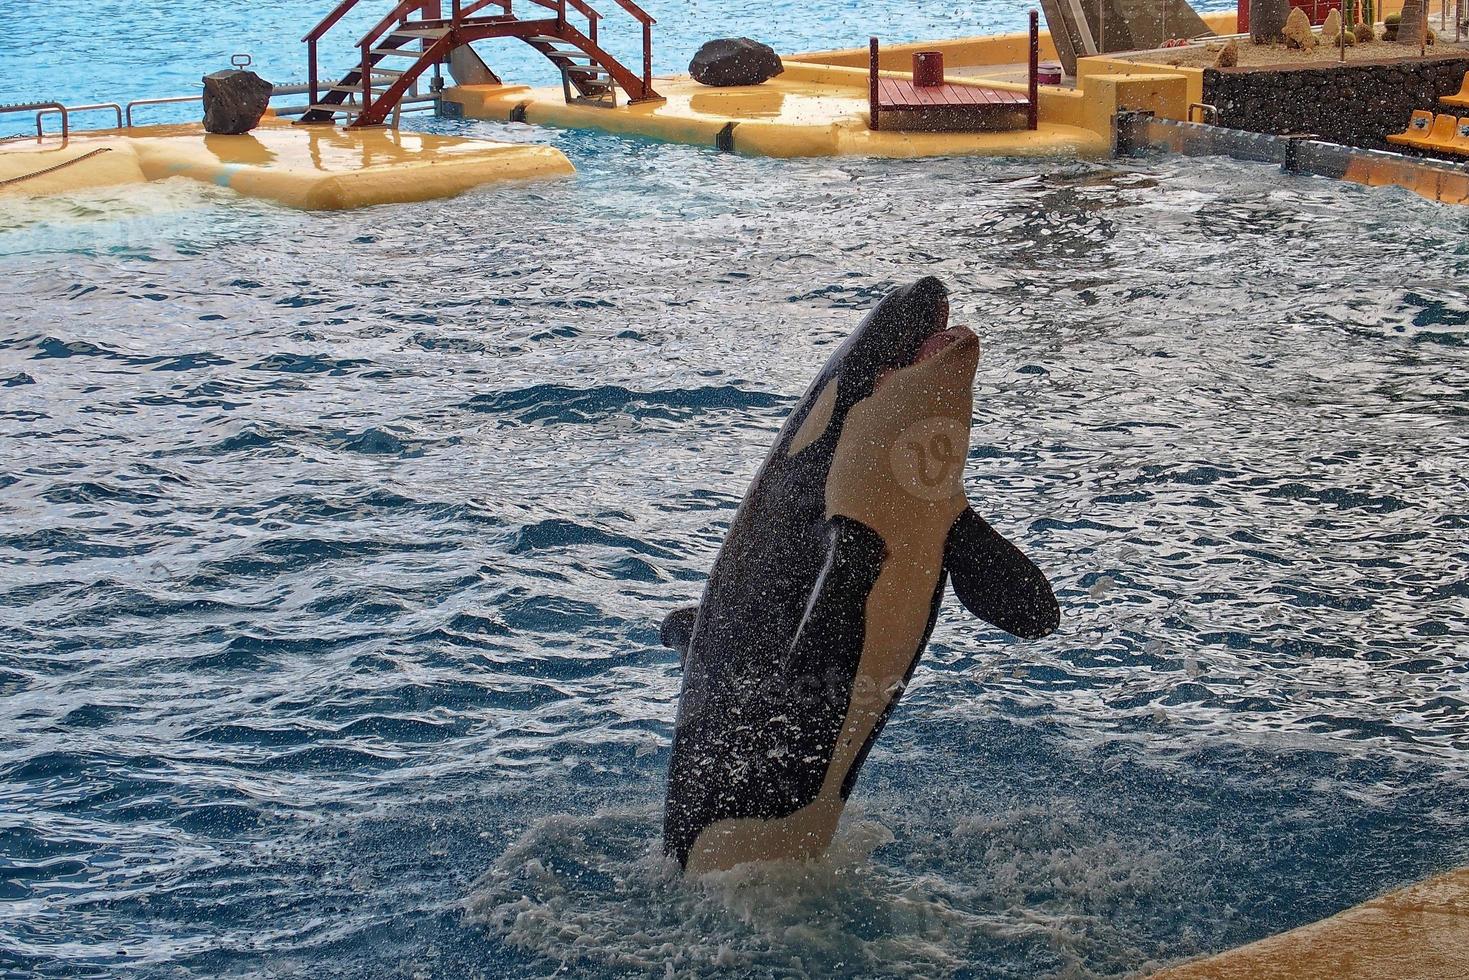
{"x":310,"y":167}
{"x":1417,"y":933}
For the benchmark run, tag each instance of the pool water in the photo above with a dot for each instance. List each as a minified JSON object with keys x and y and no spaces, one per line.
{"x":333,"y":549}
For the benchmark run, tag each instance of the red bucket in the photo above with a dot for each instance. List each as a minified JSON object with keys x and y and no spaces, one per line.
{"x":1048,"y":73}
{"x":928,"y":69}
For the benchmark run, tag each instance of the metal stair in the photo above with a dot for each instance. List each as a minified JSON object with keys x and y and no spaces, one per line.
{"x":581,"y":73}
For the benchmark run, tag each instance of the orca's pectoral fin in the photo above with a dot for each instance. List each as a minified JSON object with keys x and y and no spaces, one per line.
{"x":835,"y":624}
{"x":677,"y":631}
{"x":996,"y":582}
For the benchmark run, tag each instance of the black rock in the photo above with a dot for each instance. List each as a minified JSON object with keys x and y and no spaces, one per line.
{"x":234,"y":101}
{"x":735,"y":61}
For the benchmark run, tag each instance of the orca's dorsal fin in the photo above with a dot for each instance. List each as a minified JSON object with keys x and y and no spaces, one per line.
{"x":996,"y":582}
{"x":677,"y":631}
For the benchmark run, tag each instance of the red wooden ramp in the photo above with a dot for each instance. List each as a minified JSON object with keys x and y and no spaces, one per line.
{"x":415,"y":35}
{"x":927,"y":102}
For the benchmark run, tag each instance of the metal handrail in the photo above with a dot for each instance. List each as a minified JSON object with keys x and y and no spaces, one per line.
{"x":297,"y":89}
{"x":396,"y":15}
{"x":459,"y":10}
{"x":167,"y":100}
{"x":647,"y":21}
{"x":330,"y":20}
{"x":1207,"y":113}
{"x":34,"y":106}
{"x":642,"y":15}
{"x":124,"y":112}
{"x":66,"y":111}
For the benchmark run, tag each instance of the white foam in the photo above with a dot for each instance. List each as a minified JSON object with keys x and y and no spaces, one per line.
{"x":596,"y":892}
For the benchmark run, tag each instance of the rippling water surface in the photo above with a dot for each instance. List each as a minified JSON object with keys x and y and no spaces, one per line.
{"x":333,"y":549}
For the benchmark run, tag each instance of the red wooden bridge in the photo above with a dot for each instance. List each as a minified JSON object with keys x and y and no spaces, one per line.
{"x":416,"y":33}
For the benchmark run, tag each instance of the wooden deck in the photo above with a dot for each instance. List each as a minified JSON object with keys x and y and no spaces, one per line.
{"x":900,"y":94}
{"x":902,"y":104}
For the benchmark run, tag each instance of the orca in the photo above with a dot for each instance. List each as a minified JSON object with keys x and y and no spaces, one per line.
{"x":827,"y":587}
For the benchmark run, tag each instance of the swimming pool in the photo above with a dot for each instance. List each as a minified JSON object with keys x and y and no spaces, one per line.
{"x":334,"y":549}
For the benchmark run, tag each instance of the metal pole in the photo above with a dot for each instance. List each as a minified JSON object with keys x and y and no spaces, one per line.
{"x":1033,"y":113}
{"x":311,"y":57}
{"x":366,"y":80}
{"x":872,"y":93}
{"x":647,"y":58}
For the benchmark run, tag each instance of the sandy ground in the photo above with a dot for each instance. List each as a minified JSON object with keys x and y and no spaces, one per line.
{"x":1202,"y":56}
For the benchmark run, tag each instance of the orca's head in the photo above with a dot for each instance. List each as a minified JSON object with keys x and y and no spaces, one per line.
{"x":909,"y":326}
{"x":905,"y":366}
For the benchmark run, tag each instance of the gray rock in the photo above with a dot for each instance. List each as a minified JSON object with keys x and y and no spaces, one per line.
{"x":234,"y":101}
{"x":735,"y":61}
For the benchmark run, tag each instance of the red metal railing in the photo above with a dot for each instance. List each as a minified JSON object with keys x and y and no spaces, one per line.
{"x":638,"y":13}
{"x":430,"y":14}
{"x":646,"y":19}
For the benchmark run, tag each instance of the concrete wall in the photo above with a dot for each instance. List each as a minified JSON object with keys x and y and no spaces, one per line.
{"x":1357,"y":104}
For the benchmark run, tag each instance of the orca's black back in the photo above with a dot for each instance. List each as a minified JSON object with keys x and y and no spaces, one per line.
{"x":735,"y":687}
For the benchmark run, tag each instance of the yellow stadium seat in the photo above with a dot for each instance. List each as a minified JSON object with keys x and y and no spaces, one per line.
{"x":1461,"y":97}
{"x":1441,"y":136}
{"x":1459,"y":144}
{"x":1419,"y":127}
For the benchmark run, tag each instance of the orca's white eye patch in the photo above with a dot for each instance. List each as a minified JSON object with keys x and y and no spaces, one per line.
{"x":818,"y":419}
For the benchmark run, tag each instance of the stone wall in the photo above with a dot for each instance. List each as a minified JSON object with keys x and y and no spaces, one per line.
{"x":1358,"y":103}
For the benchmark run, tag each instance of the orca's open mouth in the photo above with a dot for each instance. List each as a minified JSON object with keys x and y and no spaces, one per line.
{"x":939,"y":344}
{"x":944,"y":340}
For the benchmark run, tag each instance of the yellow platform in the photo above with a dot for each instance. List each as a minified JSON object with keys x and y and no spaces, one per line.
{"x":819,"y":107}
{"x":1418,"y":933}
{"x":315,"y":167}
{"x":804,"y":113}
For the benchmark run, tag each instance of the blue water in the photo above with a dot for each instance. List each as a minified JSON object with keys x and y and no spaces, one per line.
{"x":333,"y":549}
